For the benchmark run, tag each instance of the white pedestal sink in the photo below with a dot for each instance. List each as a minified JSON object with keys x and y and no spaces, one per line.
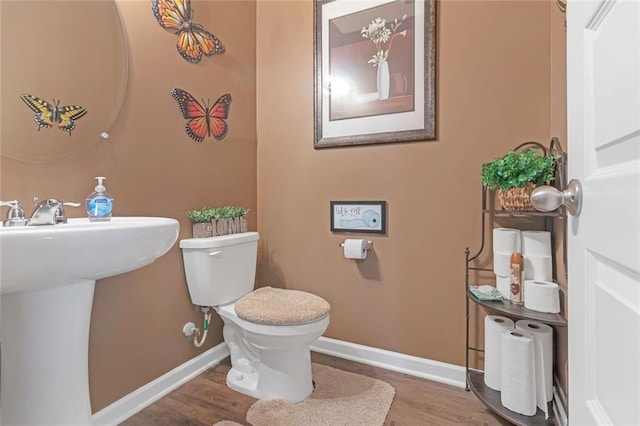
{"x":47,"y":278}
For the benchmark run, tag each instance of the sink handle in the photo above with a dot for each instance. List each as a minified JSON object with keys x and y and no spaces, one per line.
{"x":53,"y":202}
{"x":13,"y":203}
{"x":61,"y":216}
{"x":15,"y":215}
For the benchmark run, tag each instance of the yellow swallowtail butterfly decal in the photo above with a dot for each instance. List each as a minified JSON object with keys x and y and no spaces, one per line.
{"x":49,"y":114}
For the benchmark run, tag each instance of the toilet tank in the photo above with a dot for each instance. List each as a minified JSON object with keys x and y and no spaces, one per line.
{"x":220,"y":269}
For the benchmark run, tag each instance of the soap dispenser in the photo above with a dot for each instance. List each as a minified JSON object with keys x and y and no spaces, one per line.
{"x":99,"y":203}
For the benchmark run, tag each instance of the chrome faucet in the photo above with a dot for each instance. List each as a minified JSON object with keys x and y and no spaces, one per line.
{"x":49,"y":212}
{"x":15,"y":215}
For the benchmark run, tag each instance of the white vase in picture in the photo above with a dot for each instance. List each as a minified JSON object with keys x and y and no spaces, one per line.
{"x":383,"y":80}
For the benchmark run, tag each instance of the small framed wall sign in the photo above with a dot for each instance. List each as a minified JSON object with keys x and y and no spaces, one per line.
{"x":359,"y":216}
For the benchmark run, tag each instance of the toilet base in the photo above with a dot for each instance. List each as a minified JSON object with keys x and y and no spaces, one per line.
{"x":281,"y":374}
{"x":243,"y":382}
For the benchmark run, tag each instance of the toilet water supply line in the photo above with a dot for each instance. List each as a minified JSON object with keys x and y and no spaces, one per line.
{"x":207,"y":321}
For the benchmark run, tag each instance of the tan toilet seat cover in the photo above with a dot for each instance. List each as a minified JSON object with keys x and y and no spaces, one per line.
{"x":278,"y":306}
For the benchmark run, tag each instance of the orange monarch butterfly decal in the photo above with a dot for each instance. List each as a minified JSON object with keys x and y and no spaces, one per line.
{"x":193,"y":40}
{"x":47,"y":114}
{"x":203,"y":121}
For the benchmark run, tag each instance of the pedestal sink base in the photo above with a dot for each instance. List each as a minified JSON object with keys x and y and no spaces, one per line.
{"x":45,"y":346}
{"x":47,"y":277}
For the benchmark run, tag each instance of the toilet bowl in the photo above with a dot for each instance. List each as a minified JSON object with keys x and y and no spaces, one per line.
{"x":270,"y":361}
{"x":269,"y":330}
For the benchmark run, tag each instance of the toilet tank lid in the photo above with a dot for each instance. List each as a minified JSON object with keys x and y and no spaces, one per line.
{"x":219,"y":241}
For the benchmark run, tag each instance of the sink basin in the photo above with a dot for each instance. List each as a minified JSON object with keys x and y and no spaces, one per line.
{"x":47,"y":279}
{"x":38,"y":257}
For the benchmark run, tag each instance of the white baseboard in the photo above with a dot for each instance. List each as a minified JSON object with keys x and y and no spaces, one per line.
{"x":144,"y":396}
{"x":420,"y":367}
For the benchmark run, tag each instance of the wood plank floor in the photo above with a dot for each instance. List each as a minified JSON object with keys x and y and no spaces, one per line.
{"x":206,"y":400}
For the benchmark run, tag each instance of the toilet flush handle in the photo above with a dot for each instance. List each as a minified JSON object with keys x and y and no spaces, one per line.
{"x":216,"y":253}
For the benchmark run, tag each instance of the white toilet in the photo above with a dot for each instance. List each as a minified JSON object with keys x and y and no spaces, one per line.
{"x":269,"y":330}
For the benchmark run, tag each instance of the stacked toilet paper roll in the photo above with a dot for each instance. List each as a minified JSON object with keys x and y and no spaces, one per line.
{"x":518,"y":372}
{"x":493,"y":327}
{"x":536,"y":248}
{"x":536,"y":243}
{"x":538,"y":263}
{"x":505,"y":242}
{"x":542,"y":335}
{"x":503,"y":284}
{"x":542,"y":296}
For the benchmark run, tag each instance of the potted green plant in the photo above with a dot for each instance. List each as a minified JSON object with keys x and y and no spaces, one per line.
{"x":211,"y":222}
{"x":515,"y":175}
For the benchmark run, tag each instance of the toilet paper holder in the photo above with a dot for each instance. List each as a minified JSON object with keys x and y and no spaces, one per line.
{"x":368,"y":247}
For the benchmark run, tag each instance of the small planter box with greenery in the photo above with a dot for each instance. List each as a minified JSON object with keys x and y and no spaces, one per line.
{"x":211,"y":222}
{"x":515,"y":175}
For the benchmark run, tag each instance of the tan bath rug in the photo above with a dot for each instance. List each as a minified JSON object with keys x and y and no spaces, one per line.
{"x":340,"y":398}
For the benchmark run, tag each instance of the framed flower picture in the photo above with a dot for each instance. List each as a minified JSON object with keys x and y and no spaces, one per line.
{"x":374,"y":71}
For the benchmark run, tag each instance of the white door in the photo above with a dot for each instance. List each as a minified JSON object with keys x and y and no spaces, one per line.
{"x":603,"y":102}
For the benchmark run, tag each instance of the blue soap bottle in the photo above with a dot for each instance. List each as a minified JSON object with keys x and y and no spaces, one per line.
{"x":99,"y":203}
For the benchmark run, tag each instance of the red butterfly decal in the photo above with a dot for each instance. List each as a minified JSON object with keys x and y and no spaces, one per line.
{"x":203,"y":121}
{"x":193,"y":40}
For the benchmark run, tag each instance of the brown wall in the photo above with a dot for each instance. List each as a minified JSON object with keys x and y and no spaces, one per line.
{"x":154,"y":169}
{"x":494,"y":90}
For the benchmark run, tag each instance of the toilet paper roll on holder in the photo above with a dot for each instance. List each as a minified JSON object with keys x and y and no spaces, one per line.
{"x":368,"y":247}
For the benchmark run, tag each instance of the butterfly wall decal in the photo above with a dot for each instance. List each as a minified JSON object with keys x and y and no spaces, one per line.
{"x":203,"y":121}
{"x":49,"y":114}
{"x":193,"y":40}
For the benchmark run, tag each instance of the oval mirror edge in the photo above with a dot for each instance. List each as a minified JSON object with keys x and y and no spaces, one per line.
{"x":121,"y":82}
{"x":124,"y":83}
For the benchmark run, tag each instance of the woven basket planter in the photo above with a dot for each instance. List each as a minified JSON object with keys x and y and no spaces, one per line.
{"x":219,"y":227}
{"x":517,"y":199}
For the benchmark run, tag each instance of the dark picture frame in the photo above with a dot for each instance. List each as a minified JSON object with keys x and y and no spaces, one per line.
{"x":359,"y":216}
{"x":374,"y":68}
